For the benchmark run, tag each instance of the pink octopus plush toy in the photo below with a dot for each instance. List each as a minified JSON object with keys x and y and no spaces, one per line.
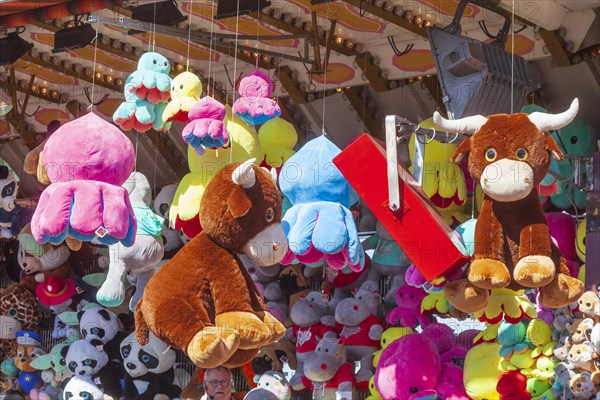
{"x":255,"y":105}
{"x":87,"y":160}
{"x":206,"y":128}
{"x":411,"y":368}
{"x":408,"y":310}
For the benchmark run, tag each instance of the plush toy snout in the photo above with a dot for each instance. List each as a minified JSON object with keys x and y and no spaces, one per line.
{"x":507,"y":180}
{"x":268,"y":247}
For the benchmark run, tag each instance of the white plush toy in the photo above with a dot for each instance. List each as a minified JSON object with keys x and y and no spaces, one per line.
{"x":272,"y":385}
{"x":82,"y":387}
{"x":149,"y":369}
{"x":141,"y":258}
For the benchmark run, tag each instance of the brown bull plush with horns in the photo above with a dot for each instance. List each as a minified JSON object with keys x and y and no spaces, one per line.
{"x":203,"y":300}
{"x":509,"y":154}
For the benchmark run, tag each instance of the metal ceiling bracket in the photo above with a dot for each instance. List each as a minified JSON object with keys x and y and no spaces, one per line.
{"x":206,"y":38}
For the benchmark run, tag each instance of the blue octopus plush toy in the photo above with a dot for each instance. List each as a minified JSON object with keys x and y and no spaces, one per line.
{"x":319,"y":225}
{"x":146,"y":92}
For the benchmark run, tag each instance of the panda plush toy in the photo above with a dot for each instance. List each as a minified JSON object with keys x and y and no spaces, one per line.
{"x":86,"y":360}
{"x":100,"y":327}
{"x":149,"y":369}
{"x":82,"y":387}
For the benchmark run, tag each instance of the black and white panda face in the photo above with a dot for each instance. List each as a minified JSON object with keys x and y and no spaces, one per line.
{"x":98,"y":326}
{"x":85,"y":359}
{"x":140,"y":360}
{"x":8,"y":188}
{"x":82,"y":388}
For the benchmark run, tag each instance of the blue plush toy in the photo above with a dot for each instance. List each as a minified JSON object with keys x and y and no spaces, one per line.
{"x":319,"y":225}
{"x":146,"y":91}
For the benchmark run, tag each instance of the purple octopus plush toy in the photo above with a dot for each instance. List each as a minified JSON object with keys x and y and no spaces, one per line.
{"x":87,"y":160}
{"x":206,"y":129}
{"x":255,"y":106}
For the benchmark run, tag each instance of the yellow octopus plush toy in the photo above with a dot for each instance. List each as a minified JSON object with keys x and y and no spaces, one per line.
{"x":186,"y":89}
{"x":277,"y":140}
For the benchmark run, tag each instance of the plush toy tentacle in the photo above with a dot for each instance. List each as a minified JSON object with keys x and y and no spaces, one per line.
{"x":112,"y":292}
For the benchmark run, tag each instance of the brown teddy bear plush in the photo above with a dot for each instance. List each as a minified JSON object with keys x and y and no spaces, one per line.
{"x":203,"y":300}
{"x":509,"y":155}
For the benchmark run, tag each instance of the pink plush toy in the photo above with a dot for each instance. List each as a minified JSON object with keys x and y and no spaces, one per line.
{"x":408,"y":310}
{"x":255,"y":105}
{"x":445,"y":342}
{"x":410,"y":368}
{"x":563,"y":231}
{"x":206,"y":128}
{"x":87,"y":160}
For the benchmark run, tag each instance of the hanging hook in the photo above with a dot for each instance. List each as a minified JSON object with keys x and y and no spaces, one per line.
{"x":86,"y":90}
{"x":360,"y":8}
{"x":399,"y":53}
{"x":23,"y":111}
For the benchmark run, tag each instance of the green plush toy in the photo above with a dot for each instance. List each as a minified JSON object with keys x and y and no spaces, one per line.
{"x":539,"y":334}
{"x":539,"y":389}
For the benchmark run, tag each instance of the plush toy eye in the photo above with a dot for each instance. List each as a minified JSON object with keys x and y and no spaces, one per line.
{"x":579,"y":331}
{"x":63,"y":362}
{"x":33,"y":355}
{"x":490,"y":154}
{"x":326,"y":350}
{"x":125,"y":351}
{"x":384,"y":341}
{"x":20,"y":354}
{"x":12,"y":312}
{"x":414,"y":390}
{"x":86,"y":395}
{"x":145,"y":358}
{"x":573,"y":139}
{"x":52,"y":364}
{"x":172,"y":87}
{"x":72,"y":366}
{"x":588,"y":304}
{"x":154,"y":61}
{"x":269,"y":214}
{"x":180,"y":86}
{"x":68,"y":395}
{"x":94,"y":331}
{"x":521,"y":154}
{"x":268,"y":359}
{"x":412,"y":296}
{"x":84,"y":332}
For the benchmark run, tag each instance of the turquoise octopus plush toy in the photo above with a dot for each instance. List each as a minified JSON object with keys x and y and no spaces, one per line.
{"x":146,"y":92}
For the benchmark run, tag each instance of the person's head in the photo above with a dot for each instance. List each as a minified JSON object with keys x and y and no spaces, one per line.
{"x":217,"y":383}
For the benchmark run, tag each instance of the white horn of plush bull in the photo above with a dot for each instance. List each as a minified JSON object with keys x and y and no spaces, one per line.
{"x":244,"y":175}
{"x":467,"y":125}
{"x":273,"y":173}
{"x":549,"y":122}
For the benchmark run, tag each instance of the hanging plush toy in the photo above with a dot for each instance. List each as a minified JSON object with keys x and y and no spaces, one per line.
{"x":277,"y":140}
{"x":186,"y":89}
{"x":272,"y":385}
{"x":206,"y":129}
{"x":10,"y":224}
{"x":243,"y":145}
{"x":240,"y":213}
{"x":319,"y":225}
{"x":19,"y":310}
{"x":87,"y":161}
{"x":255,"y":105}
{"x":146,"y":93}
{"x":443,"y":181}
{"x":149,"y":369}
{"x":388,"y":260}
{"x":140,"y":259}
{"x":509,"y":155}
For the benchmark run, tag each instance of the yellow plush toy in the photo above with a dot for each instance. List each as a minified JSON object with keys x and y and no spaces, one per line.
{"x":580,"y":247}
{"x":443,"y":181}
{"x":482,"y":370}
{"x":243,"y":145}
{"x":373,"y":393}
{"x":277,"y":140}
{"x":186,"y":89}
{"x":387,"y":337}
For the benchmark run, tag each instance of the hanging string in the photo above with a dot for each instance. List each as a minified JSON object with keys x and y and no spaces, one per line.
{"x":155,"y":164}
{"x":91,"y":106}
{"x":187,"y":66}
{"x":237,"y":30}
{"x":473,"y":200}
{"x":210,"y":49}
{"x":325,"y":86}
{"x":154,"y":30}
{"x":137,"y":138}
{"x":512,"y":61}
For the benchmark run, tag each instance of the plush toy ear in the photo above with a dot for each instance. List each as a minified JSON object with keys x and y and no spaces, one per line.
{"x":461,"y":151}
{"x":95,"y":280}
{"x":41,"y":362}
{"x":553,"y":147}
{"x":104,"y":314}
{"x":69,"y":318}
{"x":238,"y":202}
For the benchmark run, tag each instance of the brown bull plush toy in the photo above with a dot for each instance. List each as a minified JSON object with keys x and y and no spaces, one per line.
{"x":203,"y":300}
{"x":509,"y":155}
